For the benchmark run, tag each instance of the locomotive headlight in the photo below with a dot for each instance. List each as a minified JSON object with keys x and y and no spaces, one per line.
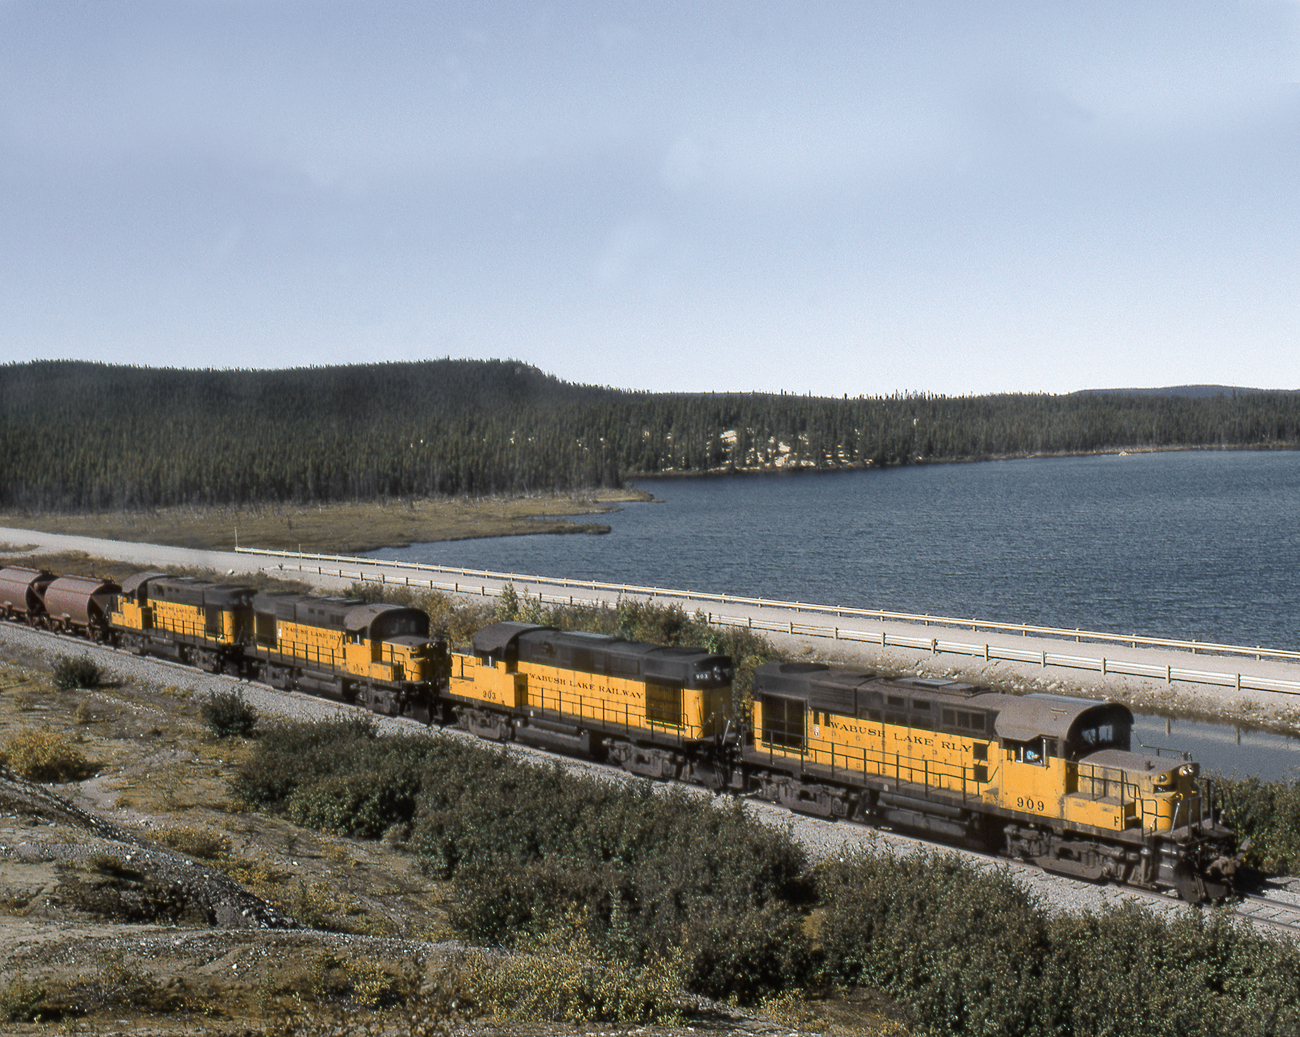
{"x":1188,"y":770}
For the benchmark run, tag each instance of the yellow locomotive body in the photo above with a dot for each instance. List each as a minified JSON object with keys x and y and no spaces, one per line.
{"x":1044,"y":777}
{"x":377,"y":655}
{"x":206,"y":624}
{"x":642,"y":705}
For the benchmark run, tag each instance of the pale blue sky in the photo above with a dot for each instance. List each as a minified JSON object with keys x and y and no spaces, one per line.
{"x":833,"y":198}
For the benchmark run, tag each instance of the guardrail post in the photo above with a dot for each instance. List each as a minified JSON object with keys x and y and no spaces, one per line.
{"x":934,"y":646}
{"x":1103,"y":666}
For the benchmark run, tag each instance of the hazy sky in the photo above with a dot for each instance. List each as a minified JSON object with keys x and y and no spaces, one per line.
{"x":858,"y":197}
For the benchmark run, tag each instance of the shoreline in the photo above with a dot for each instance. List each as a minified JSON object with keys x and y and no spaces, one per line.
{"x":353,"y":527}
{"x":868,"y":466}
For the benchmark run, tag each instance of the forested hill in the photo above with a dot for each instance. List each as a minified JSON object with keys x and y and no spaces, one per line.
{"x":77,"y":435}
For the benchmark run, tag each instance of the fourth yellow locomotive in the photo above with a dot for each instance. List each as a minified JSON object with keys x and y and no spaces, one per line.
{"x":1039,"y":777}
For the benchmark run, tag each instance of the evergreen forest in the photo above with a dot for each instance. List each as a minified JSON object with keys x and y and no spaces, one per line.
{"x":81,"y":436}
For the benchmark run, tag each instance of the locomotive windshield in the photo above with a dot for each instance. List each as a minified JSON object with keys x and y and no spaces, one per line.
{"x":1110,"y":733}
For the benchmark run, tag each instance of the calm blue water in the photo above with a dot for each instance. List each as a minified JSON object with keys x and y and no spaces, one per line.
{"x":1184,"y":545}
{"x":1202,"y":544}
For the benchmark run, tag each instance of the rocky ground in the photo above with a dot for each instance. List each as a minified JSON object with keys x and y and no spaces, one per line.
{"x":139,"y":898}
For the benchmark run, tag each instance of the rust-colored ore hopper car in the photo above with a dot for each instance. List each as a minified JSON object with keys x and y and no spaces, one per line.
{"x":79,"y":605}
{"x":22,"y":594}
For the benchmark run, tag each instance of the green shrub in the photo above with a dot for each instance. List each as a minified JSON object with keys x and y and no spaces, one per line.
{"x":228,"y":714}
{"x":81,"y":671}
{"x":961,"y":946}
{"x":746,"y":954}
{"x":1267,"y":813}
{"x":1196,"y":974}
{"x":563,"y":976}
{"x":21,"y":1002}
{"x":44,"y":755}
{"x":361,"y":805}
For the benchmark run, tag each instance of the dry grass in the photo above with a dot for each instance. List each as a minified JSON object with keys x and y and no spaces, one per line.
{"x":345,"y":528}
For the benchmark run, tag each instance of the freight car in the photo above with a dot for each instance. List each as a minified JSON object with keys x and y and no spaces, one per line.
{"x":22,"y":594}
{"x":1039,"y":777}
{"x":1045,"y":778}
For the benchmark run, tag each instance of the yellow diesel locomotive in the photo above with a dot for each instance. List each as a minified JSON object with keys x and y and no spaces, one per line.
{"x":378,"y":656}
{"x":1045,"y":778}
{"x":179,"y":617}
{"x":664,"y":712}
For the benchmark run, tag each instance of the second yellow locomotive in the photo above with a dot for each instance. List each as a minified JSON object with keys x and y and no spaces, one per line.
{"x":660,"y":711}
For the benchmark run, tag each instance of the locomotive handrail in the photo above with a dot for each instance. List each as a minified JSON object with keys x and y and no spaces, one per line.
{"x":881,"y":615}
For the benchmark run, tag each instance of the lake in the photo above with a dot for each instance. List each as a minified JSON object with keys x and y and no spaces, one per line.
{"x":1190,"y":545}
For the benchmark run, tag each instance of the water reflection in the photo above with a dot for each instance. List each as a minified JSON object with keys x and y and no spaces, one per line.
{"x":1222,"y":747}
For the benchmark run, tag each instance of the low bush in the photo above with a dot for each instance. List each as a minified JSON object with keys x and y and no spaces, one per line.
{"x":195,"y":842}
{"x":649,"y":871}
{"x":80,"y":671}
{"x":970,"y":951}
{"x":562,"y":976}
{"x":961,"y":946}
{"x":1267,"y":813}
{"x":228,"y":714}
{"x":44,"y":755}
{"x":22,"y":1002}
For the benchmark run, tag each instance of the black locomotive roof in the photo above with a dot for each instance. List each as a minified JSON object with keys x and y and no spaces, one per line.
{"x":1026,"y":717}
{"x":596,"y":653}
{"x":496,"y":638}
{"x":348,"y":614}
{"x":854,"y":692}
{"x":188,"y":590}
{"x":306,"y":608}
{"x":133,"y":582}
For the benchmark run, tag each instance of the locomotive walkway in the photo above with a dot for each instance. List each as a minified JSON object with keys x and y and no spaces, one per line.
{"x":1244,"y":682}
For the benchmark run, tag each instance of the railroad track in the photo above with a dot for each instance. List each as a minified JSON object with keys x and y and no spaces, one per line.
{"x":821,"y":838}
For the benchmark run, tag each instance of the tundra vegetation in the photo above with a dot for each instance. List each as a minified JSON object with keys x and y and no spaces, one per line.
{"x":597,"y":899}
{"x":666,"y":890}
